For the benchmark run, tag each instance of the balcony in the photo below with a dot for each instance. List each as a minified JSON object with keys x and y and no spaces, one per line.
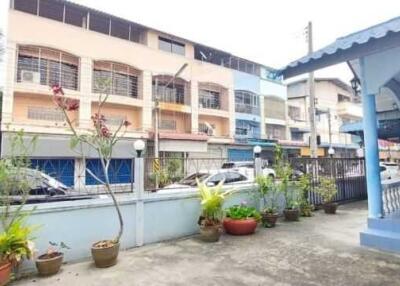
{"x":349,"y":110}
{"x":46,"y":67}
{"x":246,"y":108}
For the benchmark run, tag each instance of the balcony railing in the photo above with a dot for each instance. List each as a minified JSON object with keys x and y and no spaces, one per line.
{"x":47,"y":67}
{"x":207,"y":102}
{"x":246,"y":108}
{"x":391,"y":196}
{"x":169,"y":95}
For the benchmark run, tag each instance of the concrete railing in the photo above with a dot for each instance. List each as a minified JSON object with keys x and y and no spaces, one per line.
{"x":391,"y":196}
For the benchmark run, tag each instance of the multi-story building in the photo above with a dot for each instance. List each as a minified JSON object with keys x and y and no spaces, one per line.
{"x":58,"y":42}
{"x":335,"y":105}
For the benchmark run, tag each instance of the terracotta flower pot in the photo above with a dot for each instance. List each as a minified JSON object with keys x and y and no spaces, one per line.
{"x":330,"y":208}
{"x":5,"y":273}
{"x":49,"y":264}
{"x":210,"y":233}
{"x":269,"y":220}
{"x":291,"y":214}
{"x":240,"y":226}
{"x":105,"y":253}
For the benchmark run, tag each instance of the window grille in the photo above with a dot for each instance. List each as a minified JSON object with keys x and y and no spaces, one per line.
{"x":44,"y":113}
{"x":168,"y":124}
{"x":275,"y":107}
{"x":209,"y":99}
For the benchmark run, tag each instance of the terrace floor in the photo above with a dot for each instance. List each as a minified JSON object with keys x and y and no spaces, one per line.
{"x":322,"y":250}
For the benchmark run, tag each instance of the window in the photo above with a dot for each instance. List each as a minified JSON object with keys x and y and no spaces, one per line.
{"x":75,"y":16}
{"x":206,"y":128}
{"x":277,"y":132}
{"x":168,"y":124}
{"x":209,"y":99}
{"x":51,"y":9}
{"x":171,"y":46}
{"x":247,"y":128}
{"x":247,"y":102}
{"x":47,"y":67}
{"x":122,"y":79}
{"x":294,"y":112}
{"x":115,"y":120}
{"x":217,"y":178}
{"x":43,"y":113}
{"x":275,"y":107}
{"x":343,"y":98}
{"x":30,"y":7}
{"x":233,"y":177}
{"x":297,"y":136}
{"x":120,"y":29}
{"x":99,"y":23}
{"x":169,"y":91}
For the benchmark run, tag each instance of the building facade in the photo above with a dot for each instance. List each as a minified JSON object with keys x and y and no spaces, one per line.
{"x":336,"y":105}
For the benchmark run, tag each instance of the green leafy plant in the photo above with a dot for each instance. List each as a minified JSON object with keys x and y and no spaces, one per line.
{"x":327,"y":189}
{"x":269,"y":193}
{"x":212,"y":200}
{"x":16,"y":241}
{"x":242,"y":211}
{"x":304,"y":185}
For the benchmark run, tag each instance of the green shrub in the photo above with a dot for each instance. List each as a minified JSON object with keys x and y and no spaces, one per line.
{"x":327,"y":189}
{"x":242,"y":211}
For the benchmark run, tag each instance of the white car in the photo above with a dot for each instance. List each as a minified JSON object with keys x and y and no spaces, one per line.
{"x":389,"y":170}
{"x":247,"y":167}
{"x":210,"y":178}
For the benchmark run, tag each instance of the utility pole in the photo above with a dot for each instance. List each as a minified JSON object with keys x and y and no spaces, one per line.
{"x":313,"y":135}
{"x":330,"y":128}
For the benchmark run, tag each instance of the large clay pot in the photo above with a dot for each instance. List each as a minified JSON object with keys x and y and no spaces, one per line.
{"x":105,"y":256}
{"x":240,"y":226}
{"x":5,"y":273}
{"x":330,"y":208}
{"x":49,"y":264}
{"x":291,"y":214}
{"x":210,"y":233}
{"x":269,"y":219}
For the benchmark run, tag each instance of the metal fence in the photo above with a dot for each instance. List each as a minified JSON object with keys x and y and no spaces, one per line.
{"x":349,"y":174}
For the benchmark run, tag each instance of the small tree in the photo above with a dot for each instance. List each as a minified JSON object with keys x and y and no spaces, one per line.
{"x":327,"y":189}
{"x":305,"y":188}
{"x":100,"y":139}
{"x":269,"y":192}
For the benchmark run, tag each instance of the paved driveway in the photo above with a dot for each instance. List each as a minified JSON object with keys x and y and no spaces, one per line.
{"x":322,"y":250}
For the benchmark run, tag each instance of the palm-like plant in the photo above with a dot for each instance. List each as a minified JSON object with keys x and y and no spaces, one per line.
{"x":212,"y":200}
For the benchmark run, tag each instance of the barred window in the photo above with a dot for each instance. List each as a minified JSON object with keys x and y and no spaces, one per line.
{"x":44,"y":113}
{"x":274,"y":131}
{"x":114,"y":78}
{"x":209,"y":99}
{"x":169,"y":91}
{"x":205,"y":127}
{"x":294,"y":112}
{"x":247,"y":102}
{"x":171,"y":46}
{"x":275,"y":107}
{"x":115,"y":120}
{"x":47,"y":67}
{"x":168,"y":124}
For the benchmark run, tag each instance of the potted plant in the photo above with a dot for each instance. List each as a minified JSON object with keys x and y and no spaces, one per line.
{"x":50,"y":262}
{"x":16,"y":237}
{"x":270,"y":194}
{"x":305,"y":186}
{"x":327,"y":190}
{"x":15,"y":245}
{"x":101,"y":140}
{"x":241,"y":219}
{"x":210,"y":220}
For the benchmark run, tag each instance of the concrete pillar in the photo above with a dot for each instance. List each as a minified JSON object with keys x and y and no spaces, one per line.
{"x":139,"y":191}
{"x":194,"y":100}
{"x":370,"y":127}
{"x":8,"y":93}
{"x":147,"y":122}
{"x":262,"y":115}
{"x":85,"y":104}
{"x":232,"y":119}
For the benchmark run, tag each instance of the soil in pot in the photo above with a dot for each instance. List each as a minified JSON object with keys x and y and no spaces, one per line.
{"x":330,"y":208}
{"x":240,"y":226}
{"x":269,"y":219}
{"x":291,"y":214}
{"x":49,"y":264}
{"x":105,"y":253}
{"x":5,"y":273}
{"x":210,"y":233}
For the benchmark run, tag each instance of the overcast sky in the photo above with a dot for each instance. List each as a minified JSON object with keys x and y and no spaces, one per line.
{"x":268,"y":32}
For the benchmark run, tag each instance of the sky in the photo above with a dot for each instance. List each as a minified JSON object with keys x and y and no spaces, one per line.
{"x":268,"y":32}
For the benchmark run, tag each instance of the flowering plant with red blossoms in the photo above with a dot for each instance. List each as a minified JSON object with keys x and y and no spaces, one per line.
{"x":100,"y":139}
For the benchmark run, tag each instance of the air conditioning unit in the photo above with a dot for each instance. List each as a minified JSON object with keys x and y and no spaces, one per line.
{"x":30,"y":76}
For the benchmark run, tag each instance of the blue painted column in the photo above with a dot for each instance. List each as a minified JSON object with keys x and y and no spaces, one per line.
{"x":371,"y":150}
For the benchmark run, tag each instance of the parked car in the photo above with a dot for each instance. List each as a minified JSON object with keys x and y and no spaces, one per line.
{"x":41,"y":188}
{"x":210,"y":178}
{"x":389,"y":170}
{"x":247,"y":167}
